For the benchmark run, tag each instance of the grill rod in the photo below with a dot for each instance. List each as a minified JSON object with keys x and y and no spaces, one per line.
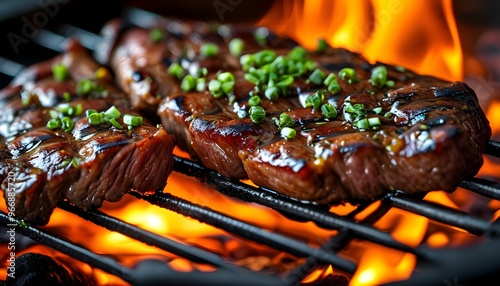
{"x":147,"y":272}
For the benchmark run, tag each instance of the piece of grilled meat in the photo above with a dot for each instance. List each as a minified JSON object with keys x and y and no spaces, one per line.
{"x":86,"y":163}
{"x":372,"y":128}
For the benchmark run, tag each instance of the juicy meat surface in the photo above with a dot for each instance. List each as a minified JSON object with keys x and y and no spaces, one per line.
{"x":85,"y":165}
{"x":406,"y":132}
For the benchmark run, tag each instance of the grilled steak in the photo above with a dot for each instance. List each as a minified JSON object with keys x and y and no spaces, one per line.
{"x":324,"y":126}
{"x":86,"y":163}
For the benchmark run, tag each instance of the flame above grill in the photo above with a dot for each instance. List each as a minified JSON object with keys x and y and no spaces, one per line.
{"x":419,"y":35}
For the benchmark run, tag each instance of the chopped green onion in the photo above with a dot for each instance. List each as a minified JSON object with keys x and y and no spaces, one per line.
{"x":67,"y":96}
{"x":348,"y":74}
{"x":60,"y":72}
{"x":156,"y":35}
{"x":95,"y":118}
{"x":285,"y":120}
{"x":317,"y":76}
{"x":377,"y":110}
{"x":115,"y":123}
{"x":329,"y":79}
{"x":85,"y":86}
{"x":264,"y":57}
{"x":176,"y":70}
{"x":355,"y":108}
{"x":390,"y":83}
{"x":379,"y":76}
{"x":201,"y":84}
{"x":285,"y":81}
{"x":225,"y":77}
{"x":67,"y":124}
{"x":252,"y":79}
{"x":254,"y":100}
{"x":374,"y":121}
{"x":112,"y":112}
{"x":387,"y":114}
{"x":227,"y":87}
{"x":315,"y":100}
{"x":298,"y":54}
{"x":53,"y":114}
{"x":272,"y":93}
{"x":362,"y":124}
{"x":260,"y":35}
{"x":328,"y":110}
{"x":288,"y":133}
{"x":236,"y":47}
{"x":322,"y":45}
{"x":209,"y":50}
{"x":202,"y":72}
{"x":54,"y":123}
{"x":214,"y":86}
{"x":257,"y":114}
{"x":75,"y":163}
{"x":334,"y":87}
{"x":247,"y":61}
{"x":188,"y":83}
{"x":90,"y":111}
{"x":132,"y":120}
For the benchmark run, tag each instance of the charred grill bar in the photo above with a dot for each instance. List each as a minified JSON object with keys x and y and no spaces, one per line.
{"x":348,"y":228}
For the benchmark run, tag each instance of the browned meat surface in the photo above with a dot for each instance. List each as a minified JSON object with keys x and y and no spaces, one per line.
{"x":86,"y":164}
{"x":394,"y":129}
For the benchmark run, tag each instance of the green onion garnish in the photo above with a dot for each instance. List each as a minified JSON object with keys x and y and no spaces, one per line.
{"x":285,"y":121}
{"x":377,"y":110}
{"x":225,"y":77}
{"x":315,"y":100}
{"x":201,"y":84}
{"x":132,"y":120}
{"x":317,"y":76}
{"x":188,"y":83}
{"x":176,"y":70}
{"x":156,"y":35}
{"x":257,"y":114}
{"x":264,"y":57}
{"x":53,"y":123}
{"x":67,"y":96}
{"x":67,"y":124}
{"x":254,"y":100}
{"x":379,"y":76}
{"x":214,"y":86}
{"x":60,"y":72}
{"x":322,"y":45}
{"x":374,"y":121}
{"x":288,"y":133}
{"x":209,"y":50}
{"x":112,"y":113}
{"x":362,"y":123}
{"x":95,"y":118}
{"x":272,"y":93}
{"x":348,"y":74}
{"x":115,"y":123}
{"x":85,"y":86}
{"x":328,"y":110}
{"x":298,"y":54}
{"x":236,"y":47}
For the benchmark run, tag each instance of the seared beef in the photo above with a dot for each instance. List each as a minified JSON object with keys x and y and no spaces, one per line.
{"x":85,"y":165}
{"x":395,"y":131}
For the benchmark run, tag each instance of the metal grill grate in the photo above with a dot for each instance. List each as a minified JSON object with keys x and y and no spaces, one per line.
{"x":437,"y":262}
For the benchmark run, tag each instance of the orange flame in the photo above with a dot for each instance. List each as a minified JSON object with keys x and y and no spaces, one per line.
{"x":419,"y":35}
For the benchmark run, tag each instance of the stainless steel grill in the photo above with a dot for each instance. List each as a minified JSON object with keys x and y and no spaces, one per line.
{"x":473,"y":263}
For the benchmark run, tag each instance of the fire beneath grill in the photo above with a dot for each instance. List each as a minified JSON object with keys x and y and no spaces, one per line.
{"x":368,"y":244}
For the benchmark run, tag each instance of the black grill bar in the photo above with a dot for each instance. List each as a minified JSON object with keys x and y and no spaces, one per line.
{"x":483,"y":187}
{"x":102,"y":262}
{"x":248,"y":231}
{"x":463,"y":220}
{"x":289,"y":207}
{"x":113,"y":224}
{"x":493,"y":148}
{"x":335,"y":243}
